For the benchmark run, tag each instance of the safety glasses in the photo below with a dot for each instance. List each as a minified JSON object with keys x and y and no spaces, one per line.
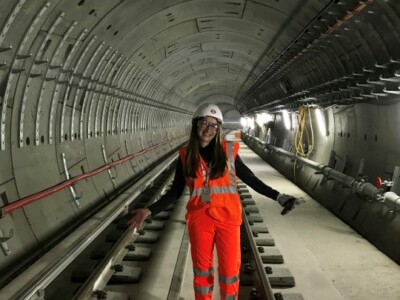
{"x":210,"y":126}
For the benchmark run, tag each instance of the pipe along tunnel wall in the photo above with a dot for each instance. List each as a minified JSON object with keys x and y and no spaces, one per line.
{"x":356,"y":202}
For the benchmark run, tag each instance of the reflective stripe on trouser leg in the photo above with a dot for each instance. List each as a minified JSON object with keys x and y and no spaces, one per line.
{"x":201,"y":230}
{"x":227,"y":242}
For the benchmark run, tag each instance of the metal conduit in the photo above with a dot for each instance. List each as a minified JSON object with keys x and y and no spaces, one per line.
{"x":364,"y":188}
{"x":359,"y":185}
{"x":257,"y":80}
{"x":321,"y":168}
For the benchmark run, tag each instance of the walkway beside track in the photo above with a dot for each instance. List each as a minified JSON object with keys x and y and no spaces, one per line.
{"x":328,"y":259}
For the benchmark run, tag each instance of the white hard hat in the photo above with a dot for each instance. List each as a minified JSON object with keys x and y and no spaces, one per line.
{"x":209,"y":110}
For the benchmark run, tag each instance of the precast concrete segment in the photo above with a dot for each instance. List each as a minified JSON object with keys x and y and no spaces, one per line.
{"x":22,"y":202}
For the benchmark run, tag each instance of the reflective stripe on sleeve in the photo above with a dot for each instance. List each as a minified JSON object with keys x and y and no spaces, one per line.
{"x":231,"y":159}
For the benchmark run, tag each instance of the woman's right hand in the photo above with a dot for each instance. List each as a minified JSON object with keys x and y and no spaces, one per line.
{"x":139,"y":215}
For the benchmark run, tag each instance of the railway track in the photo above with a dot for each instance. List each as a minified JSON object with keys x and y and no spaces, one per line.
{"x":120,"y":264}
{"x":107,"y":260}
{"x":261,"y":272}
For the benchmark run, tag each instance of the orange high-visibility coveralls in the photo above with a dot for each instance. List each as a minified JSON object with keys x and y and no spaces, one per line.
{"x":214,"y":215}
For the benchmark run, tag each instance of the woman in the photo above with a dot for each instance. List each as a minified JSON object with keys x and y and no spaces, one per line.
{"x":209,"y":167}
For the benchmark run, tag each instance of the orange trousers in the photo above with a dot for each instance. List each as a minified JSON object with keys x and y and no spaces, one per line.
{"x":204,"y":233}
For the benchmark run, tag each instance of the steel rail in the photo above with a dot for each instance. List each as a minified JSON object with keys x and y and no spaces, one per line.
{"x":32,"y":282}
{"x":103,"y":272}
{"x":261,"y":281}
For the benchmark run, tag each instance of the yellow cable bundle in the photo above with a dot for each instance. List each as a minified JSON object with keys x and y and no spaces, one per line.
{"x":300,"y":132}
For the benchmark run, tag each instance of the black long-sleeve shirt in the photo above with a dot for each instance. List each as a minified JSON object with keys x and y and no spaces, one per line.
{"x":178,"y":185}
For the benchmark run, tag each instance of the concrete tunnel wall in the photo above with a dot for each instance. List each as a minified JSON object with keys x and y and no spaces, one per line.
{"x":96,"y":81}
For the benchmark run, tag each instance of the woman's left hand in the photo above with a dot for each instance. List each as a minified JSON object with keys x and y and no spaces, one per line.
{"x":288,"y":202}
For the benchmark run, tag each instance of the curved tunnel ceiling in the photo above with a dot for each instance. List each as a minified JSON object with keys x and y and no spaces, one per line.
{"x":186,"y":41}
{"x":173,"y":54}
{"x":174,"y":47}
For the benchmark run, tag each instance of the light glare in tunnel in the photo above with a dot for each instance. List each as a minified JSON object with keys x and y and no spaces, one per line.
{"x":250,"y":122}
{"x":286,"y":119}
{"x":243,"y":121}
{"x":320,"y":122}
{"x":263,"y":118}
{"x":247,"y":122}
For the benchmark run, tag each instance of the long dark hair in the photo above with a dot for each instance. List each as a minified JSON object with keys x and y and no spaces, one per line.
{"x":218,"y":158}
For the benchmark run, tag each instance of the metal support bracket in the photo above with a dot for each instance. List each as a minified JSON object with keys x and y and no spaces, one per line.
{"x":392,"y":201}
{"x":24,"y":56}
{"x":34,"y":75}
{"x":71,"y":188}
{"x":361,"y":168}
{"x":43,"y":61}
{"x":331,"y":164}
{"x":55,"y":66}
{"x":16,"y":71}
{"x":396,"y":180}
{"x":39,"y":295}
{"x":133,"y":164}
{"x":103,"y":149}
{"x":3,"y":242}
{"x":286,"y":145}
{"x":9,"y":47}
